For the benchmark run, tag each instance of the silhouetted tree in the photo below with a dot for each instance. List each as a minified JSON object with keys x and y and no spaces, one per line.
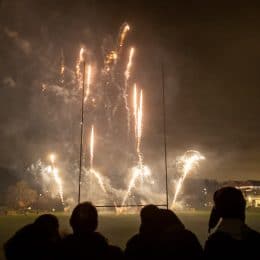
{"x":20,"y":195}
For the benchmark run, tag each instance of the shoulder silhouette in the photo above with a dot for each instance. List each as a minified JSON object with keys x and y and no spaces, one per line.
{"x":85,"y":242}
{"x":176,"y":241}
{"x":34,"y":241}
{"x":232,"y":237}
{"x":162,"y":236}
{"x":144,"y":245}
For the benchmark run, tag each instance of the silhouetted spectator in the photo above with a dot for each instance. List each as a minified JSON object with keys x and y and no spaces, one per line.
{"x":85,"y":242}
{"x":233,"y":239}
{"x":144,"y":245}
{"x":35,"y":241}
{"x":176,"y":242}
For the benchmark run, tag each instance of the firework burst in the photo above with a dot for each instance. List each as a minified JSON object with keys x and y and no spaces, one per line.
{"x":186,"y":163}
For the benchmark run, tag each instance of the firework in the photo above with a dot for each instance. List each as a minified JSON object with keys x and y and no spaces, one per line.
{"x":114,"y":79}
{"x":55,"y":173}
{"x":99,"y":179}
{"x":92,"y":172}
{"x":111,"y":58}
{"x":139,"y":128}
{"x":188,"y":162}
{"x":122,"y":35}
{"x":81,"y":55}
{"x":129,"y":64}
{"x":89,"y":72}
{"x":127,"y":75}
{"x":78,"y":63}
{"x":139,"y":172}
{"x":62,"y":67}
{"x":52,"y":157}
{"x":58,"y":182}
{"x":135,"y":108}
{"x":91,"y":147}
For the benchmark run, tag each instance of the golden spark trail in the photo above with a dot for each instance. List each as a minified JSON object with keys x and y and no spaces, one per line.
{"x":62,"y":67}
{"x":127,"y":76}
{"x":111,"y":59}
{"x":99,"y":179}
{"x":92,"y":171}
{"x":52,"y":158}
{"x":139,"y":135}
{"x":56,"y":176}
{"x":79,"y":61}
{"x":123,"y":35}
{"x":139,"y":128}
{"x":91,"y":147}
{"x":131,"y":185}
{"x":140,"y":171}
{"x":189,"y":161}
{"x":89,"y":72}
{"x":135,"y":108}
{"x":129,"y":64}
{"x":81,"y":53}
{"x":137,"y":172}
{"x":59,"y":183}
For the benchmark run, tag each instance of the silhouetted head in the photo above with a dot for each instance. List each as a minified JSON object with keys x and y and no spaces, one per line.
{"x":229,"y":203}
{"x":150,"y":217}
{"x":170,"y":220}
{"x":47,"y":225}
{"x":47,"y":221}
{"x":84,"y":218}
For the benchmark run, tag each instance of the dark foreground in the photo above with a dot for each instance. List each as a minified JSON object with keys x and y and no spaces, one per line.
{"x":119,"y":228}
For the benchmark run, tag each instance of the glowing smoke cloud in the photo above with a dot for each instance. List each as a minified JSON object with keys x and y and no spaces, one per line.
{"x":187,"y":162}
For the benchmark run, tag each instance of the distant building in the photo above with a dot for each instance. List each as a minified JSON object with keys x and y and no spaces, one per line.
{"x":251,"y":191}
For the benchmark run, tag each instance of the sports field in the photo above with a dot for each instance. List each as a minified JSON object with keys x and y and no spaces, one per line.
{"x":119,"y":228}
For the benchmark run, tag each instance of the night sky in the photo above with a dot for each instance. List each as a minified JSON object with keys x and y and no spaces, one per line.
{"x":211,"y":56}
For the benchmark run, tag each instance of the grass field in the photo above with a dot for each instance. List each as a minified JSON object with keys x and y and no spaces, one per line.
{"x":119,"y":228}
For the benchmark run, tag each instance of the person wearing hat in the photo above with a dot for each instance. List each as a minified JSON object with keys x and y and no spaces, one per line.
{"x":232,"y":237}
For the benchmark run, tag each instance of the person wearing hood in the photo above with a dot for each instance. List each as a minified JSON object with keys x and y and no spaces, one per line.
{"x":176,"y":241}
{"x":232,"y":238}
